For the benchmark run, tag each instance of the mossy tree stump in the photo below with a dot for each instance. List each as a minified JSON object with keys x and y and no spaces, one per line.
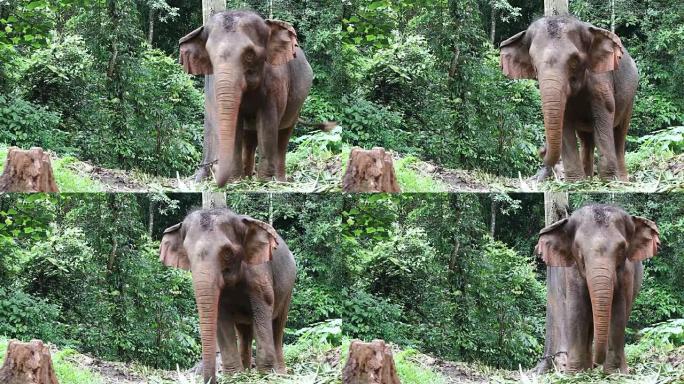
{"x":370,"y":363}
{"x":28,"y":171}
{"x":27,"y":363}
{"x":370,"y":171}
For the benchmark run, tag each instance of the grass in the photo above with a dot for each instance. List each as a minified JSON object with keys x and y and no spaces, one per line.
{"x":65,"y":370}
{"x":318,"y":163}
{"x":319,"y":355}
{"x":67,"y":180}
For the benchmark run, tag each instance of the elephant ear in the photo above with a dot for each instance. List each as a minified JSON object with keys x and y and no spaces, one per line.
{"x":282,"y":43}
{"x":554,"y":245}
{"x":260,"y":241}
{"x":171,"y":251}
{"x":606,"y":50}
{"x":646,"y":240}
{"x":193,"y":53}
{"x":515,"y":59}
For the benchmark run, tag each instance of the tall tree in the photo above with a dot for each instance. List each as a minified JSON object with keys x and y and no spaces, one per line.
{"x":209,"y":150}
{"x":556,"y":7}
{"x":555,"y":208}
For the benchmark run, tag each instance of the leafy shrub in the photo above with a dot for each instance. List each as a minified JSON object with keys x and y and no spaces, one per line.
{"x":367,"y":124}
{"x":26,"y":125}
{"x":366,"y":316}
{"x":669,"y":334}
{"x":27,"y":317}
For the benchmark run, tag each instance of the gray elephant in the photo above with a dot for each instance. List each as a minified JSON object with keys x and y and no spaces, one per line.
{"x":602,"y":247}
{"x":243,"y":274}
{"x":261,"y":79}
{"x":587,"y":82}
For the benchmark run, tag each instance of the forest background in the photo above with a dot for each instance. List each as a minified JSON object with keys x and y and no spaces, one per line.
{"x":99,"y":80}
{"x":452,"y":275}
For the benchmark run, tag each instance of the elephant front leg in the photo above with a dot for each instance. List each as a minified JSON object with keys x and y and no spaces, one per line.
{"x":283,"y":140}
{"x":579,"y":322}
{"x":587,"y":144}
{"x":246,"y":335}
{"x":248,"y":151}
{"x":267,"y":130}
{"x":227,"y":341}
{"x":571,"y":162}
{"x":265,"y":356}
{"x":615,"y":359}
{"x":603,"y":112}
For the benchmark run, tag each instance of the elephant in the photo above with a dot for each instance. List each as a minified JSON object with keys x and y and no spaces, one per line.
{"x":261,"y":79}
{"x":587,"y":82}
{"x":602,"y":248}
{"x":243,"y":274}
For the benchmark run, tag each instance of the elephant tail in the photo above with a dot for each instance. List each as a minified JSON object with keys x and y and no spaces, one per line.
{"x":325,"y":126}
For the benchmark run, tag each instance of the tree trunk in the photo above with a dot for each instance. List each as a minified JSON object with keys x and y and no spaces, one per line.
{"x":492,"y":26}
{"x":492,"y":223}
{"x":28,"y":171}
{"x":209,"y":149}
{"x":370,"y":171}
{"x":556,"y":8}
{"x":556,"y":207}
{"x":150,"y":33}
{"x":370,"y":363}
{"x":211,"y":200}
{"x":612,"y":16}
{"x":27,"y":363}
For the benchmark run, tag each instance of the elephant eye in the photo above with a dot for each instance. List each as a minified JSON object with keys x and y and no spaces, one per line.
{"x":249,"y":56}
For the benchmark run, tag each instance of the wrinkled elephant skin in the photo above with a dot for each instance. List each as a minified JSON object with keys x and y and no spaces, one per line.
{"x":260,"y":81}
{"x":243,"y":274}
{"x":602,"y":248}
{"x":587,"y":82}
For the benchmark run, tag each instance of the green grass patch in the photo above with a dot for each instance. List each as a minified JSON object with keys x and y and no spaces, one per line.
{"x":412,"y":180}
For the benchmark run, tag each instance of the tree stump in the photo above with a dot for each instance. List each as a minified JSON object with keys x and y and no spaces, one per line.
{"x":27,"y":363}
{"x":28,"y":171}
{"x":370,"y":363}
{"x":370,"y":171}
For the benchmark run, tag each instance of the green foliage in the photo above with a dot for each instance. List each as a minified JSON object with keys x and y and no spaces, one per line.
{"x":26,"y":316}
{"x":26,"y":124}
{"x":502,"y":306}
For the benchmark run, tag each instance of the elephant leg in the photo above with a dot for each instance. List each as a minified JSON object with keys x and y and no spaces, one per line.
{"x":620,"y":135}
{"x":267,"y":130}
{"x":283,"y":140}
{"x":579,"y":322}
{"x":227,"y":341}
{"x":587,"y":143}
{"x":603,"y":113}
{"x":615,"y":359}
{"x":571,"y":161}
{"x":278,"y":335}
{"x":246,"y":335}
{"x":248,"y":152}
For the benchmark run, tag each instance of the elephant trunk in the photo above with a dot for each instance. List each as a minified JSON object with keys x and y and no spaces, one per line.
{"x":228,"y":88}
{"x":553,"y":98}
{"x":600,"y":282}
{"x":206,"y":296}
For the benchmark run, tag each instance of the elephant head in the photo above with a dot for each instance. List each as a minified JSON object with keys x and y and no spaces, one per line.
{"x":214,"y":245}
{"x":234,"y":47}
{"x":598,"y":240}
{"x":559,"y":51}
